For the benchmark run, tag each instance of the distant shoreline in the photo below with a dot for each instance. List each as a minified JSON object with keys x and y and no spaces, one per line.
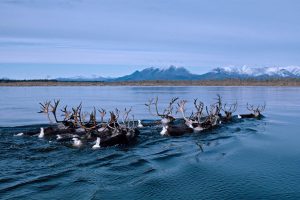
{"x":279,"y":82}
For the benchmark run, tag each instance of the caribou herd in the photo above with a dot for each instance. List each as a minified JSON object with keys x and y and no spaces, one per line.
{"x":100,"y":128}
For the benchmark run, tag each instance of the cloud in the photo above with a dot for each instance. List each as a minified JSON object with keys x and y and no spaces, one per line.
{"x":154,"y":32}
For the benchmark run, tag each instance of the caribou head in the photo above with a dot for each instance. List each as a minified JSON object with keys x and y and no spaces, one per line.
{"x":256,"y":110}
{"x":229,"y":109}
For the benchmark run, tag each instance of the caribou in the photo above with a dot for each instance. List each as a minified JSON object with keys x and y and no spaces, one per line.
{"x":102,"y":128}
{"x":255,"y":111}
{"x":83,"y":127}
{"x":198,"y":121}
{"x":202,"y":118}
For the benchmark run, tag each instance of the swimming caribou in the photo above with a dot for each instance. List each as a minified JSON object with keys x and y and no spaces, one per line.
{"x":79,"y":128}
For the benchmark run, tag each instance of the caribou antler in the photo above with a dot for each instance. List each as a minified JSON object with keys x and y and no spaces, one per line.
{"x":93,"y":117}
{"x":45,"y":109}
{"x":213,"y":112}
{"x":229,"y":109}
{"x":113,"y":122}
{"x":257,"y":110}
{"x":54,"y":108}
{"x":76,"y":115}
{"x":181,"y":108}
{"x":125,"y":116}
{"x":154,"y":102}
{"x":102,"y":114}
{"x":167,"y":112}
{"x":66,"y":113}
{"x":194,"y":118}
{"x":218,"y":104}
{"x":91,"y":124}
{"x":199,"y":109}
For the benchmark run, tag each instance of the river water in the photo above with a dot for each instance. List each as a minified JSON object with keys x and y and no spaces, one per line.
{"x":252,"y":159}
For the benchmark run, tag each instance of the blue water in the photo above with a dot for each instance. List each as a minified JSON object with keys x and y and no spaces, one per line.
{"x":253,"y":159}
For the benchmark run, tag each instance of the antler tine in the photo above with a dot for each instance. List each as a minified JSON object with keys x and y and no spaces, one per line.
{"x":117,"y":113}
{"x":199,"y":106}
{"x":113,"y":119}
{"x":54,"y":108}
{"x":166,"y":112}
{"x":126,"y":113}
{"x":199,"y":109}
{"x":181,"y":105}
{"x":250,"y":107}
{"x":224,"y":107}
{"x":64,"y":109}
{"x":169,"y":109}
{"x":102,"y":114}
{"x":215,"y":110}
{"x":206,"y":108}
{"x":181,"y":108}
{"x":93,"y":117}
{"x":261,"y":108}
{"x":156,"y":108}
{"x":234,"y":107}
{"x":192,"y":115}
{"x":78,"y":108}
{"x":173,"y":100}
{"x":149,"y":106}
{"x":83,"y":124}
{"x":77,"y":114}
{"x":218,"y":104}
{"x":133,"y":125}
{"x":195,"y":102}
{"x":84,"y":116}
{"x":44,"y":107}
{"x":66,"y":113}
{"x":219,"y":100}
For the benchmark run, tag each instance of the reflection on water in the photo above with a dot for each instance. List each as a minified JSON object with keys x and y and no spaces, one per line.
{"x":251,"y":159}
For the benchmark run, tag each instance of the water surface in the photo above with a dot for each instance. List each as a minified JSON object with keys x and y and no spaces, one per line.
{"x":254,"y":159}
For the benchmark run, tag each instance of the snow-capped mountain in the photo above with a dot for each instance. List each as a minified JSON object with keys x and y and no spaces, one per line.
{"x":253,"y":72}
{"x":83,"y":78}
{"x":271,"y":71}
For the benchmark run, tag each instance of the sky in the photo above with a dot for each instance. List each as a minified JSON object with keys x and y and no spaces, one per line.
{"x":65,"y":38}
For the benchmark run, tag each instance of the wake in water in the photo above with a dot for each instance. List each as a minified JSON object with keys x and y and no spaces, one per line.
{"x":80,"y":128}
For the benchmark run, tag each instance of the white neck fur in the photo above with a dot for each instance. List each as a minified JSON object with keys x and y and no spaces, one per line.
{"x":97,"y":145}
{"x":140,"y":125}
{"x":42,"y":133}
{"x":164,"y":131}
{"x":77,"y":142}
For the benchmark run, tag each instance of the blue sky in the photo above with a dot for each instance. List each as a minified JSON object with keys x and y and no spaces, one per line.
{"x":58,"y":38}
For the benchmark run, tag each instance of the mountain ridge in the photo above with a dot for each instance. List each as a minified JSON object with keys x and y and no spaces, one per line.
{"x":173,"y":73}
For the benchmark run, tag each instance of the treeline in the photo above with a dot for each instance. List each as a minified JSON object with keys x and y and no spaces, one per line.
{"x":27,"y":80}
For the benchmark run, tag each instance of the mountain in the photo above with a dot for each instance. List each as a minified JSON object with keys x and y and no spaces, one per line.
{"x":253,"y":73}
{"x":83,"y":79}
{"x":150,"y":74}
{"x":180,"y":73}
